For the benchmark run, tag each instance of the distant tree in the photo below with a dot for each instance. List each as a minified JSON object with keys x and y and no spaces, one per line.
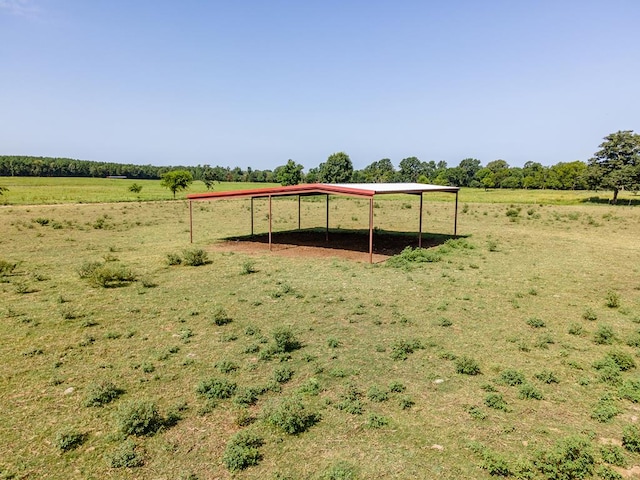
{"x":470,"y":167}
{"x":135,"y":188}
{"x":211,"y":175}
{"x":570,"y":176}
{"x":616,"y":165}
{"x":454,"y":176}
{"x":337,"y":169}
{"x":312,"y":175}
{"x":534,"y":175}
{"x":176,"y":180}
{"x":410,"y":169}
{"x":289,"y":174}
{"x":379,"y":172}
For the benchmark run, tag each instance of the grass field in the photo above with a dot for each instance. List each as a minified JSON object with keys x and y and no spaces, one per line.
{"x":511,"y":351}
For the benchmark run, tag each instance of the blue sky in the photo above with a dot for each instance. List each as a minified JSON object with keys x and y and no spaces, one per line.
{"x":254,"y":83}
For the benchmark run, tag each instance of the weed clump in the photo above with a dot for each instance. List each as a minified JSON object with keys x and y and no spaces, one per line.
{"x":242,"y":451}
{"x":195,"y":257}
{"x":220,"y":317}
{"x":631,"y":438}
{"x":536,"y":323}
{"x":467,"y":366}
{"x":612,"y":299}
{"x":401,"y":349}
{"x":285,"y":340}
{"x":6,"y":268}
{"x":216,"y":389}
{"x":495,"y":401}
{"x":546,"y":376}
{"x":101,"y":393}
{"x":512,"y":377}
{"x":377,"y":421}
{"x":613,"y":455}
{"x":529,"y":392}
{"x":227,"y":366}
{"x":125,"y":456}
{"x":410,"y":256}
{"x":69,"y":439}
{"x":350,"y":401}
{"x":290,"y":416}
{"x":139,"y":417}
{"x":569,"y":458}
{"x":630,"y":390}
{"x":604,"y":335}
{"x":376,"y":394}
{"x":248,"y":268}
{"x":106,"y":275}
{"x":340,"y":471}
{"x":283,"y":374}
{"x":605,"y":410}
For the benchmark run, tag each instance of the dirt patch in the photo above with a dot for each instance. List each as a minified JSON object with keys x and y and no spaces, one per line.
{"x":348,"y":245}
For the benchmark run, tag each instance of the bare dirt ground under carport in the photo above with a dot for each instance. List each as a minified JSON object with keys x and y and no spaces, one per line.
{"x":341,"y":244}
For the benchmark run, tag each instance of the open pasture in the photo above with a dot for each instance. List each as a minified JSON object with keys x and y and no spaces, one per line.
{"x":476,"y":362}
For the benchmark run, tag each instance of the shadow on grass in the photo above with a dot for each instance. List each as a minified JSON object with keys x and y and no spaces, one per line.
{"x":607,"y":201}
{"x":384,"y":242}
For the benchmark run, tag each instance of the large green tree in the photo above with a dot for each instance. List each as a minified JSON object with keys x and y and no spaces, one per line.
{"x":616,"y":166}
{"x":177,"y":180}
{"x":289,"y":174}
{"x":337,"y":169}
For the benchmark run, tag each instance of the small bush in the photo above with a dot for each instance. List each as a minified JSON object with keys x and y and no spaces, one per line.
{"x":248,"y":396}
{"x":406,"y":403}
{"x":139,"y":417}
{"x":377,"y":421}
{"x":340,"y":471}
{"x":536,"y":323}
{"x":227,"y":366}
{"x":401,"y":349}
{"x":283,"y":374}
{"x":6,"y":268}
{"x":569,"y":458}
{"x":467,"y":366}
{"x":69,"y":439}
{"x":612,"y":299}
{"x":248,"y":268}
{"x":310,"y":387}
{"x":333,"y":343}
{"x":220,"y":317}
{"x":195,"y":257}
{"x":512,"y":377}
{"x":590,"y":315}
{"x":242,"y":451}
{"x":350,"y":401}
{"x":376,"y":394}
{"x":576,"y":329}
{"x":291,"y":416}
{"x":410,"y":256}
{"x":397,"y":387}
{"x":630,"y":390}
{"x":607,"y":473}
{"x":173,"y":259}
{"x":444,"y":322}
{"x":135,"y":188}
{"x":604,"y":335}
{"x":285,"y":340}
{"x":476,"y":412}
{"x":101,"y":393}
{"x":529,"y":392}
{"x":216,"y":389}
{"x":546,"y":376}
{"x":631,"y":438}
{"x":495,"y":401}
{"x":106,"y":275}
{"x":604,"y":411}
{"x":613,"y":455}
{"x":623,"y":360}
{"x":125,"y":456}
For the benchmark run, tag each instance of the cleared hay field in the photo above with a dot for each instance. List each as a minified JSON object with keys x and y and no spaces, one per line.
{"x":521,"y":334}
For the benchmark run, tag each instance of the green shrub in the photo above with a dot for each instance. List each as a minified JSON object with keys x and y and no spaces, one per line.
{"x":220,"y":316}
{"x":216,"y":389}
{"x":613,"y":455}
{"x":397,"y":387}
{"x":376,"y":421}
{"x":476,"y":412}
{"x":69,"y":439}
{"x":607,"y":473}
{"x":227,"y":366}
{"x":495,"y":401}
{"x":139,"y":417}
{"x":125,"y":456}
{"x":495,"y":464}
{"x":605,"y":410}
{"x":101,"y":393}
{"x":576,"y":329}
{"x":546,"y":376}
{"x":590,"y":315}
{"x":630,"y":390}
{"x":242,"y":451}
{"x":443,"y":322}
{"x":135,"y":188}
{"x":467,"y":366}
{"x":6,"y":268}
{"x":570,"y":458}
{"x":195,"y":257}
{"x":283,"y":374}
{"x":401,"y":349}
{"x":536,"y":323}
{"x":604,"y":335}
{"x":350,"y":401}
{"x":612,"y":299}
{"x":631,"y":438}
{"x":174,"y":259}
{"x":106,"y":275}
{"x":410,"y":256}
{"x":291,"y":416}
{"x":285,"y":340}
{"x":512,"y":377}
{"x":406,"y":402}
{"x":529,"y":392}
{"x":623,"y":360}
{"x":333,"y":343}
{"x":310,"y":387}
{"x":248,"y":268}
{"x":340,"y":471}
{"x":248,"y":396}
{"x":376,"y":394}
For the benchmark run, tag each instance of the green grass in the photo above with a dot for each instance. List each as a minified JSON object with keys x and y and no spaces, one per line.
{"x":311,"y":344}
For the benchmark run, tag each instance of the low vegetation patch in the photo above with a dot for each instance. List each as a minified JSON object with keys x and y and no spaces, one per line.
{"x":242,"y":451}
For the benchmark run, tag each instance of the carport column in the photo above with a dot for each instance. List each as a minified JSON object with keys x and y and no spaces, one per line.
{"x":298,"y":212}
{"x":190,"y":222}
{"x":327,"y":231}
{"x":420,"y":225}
{"x":371,"y":230}
{"x":455,"y":221}
{"x":252,"y":216}
{"x":269,"y":222}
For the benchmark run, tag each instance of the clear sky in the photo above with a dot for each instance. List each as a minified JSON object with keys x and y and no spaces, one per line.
{"x":254,"y":83}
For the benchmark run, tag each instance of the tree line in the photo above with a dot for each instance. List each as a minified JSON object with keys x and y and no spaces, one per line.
{"x":615,"y":166}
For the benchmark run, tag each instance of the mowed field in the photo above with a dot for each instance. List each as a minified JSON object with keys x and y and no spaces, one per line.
{"x":512,"y":351}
